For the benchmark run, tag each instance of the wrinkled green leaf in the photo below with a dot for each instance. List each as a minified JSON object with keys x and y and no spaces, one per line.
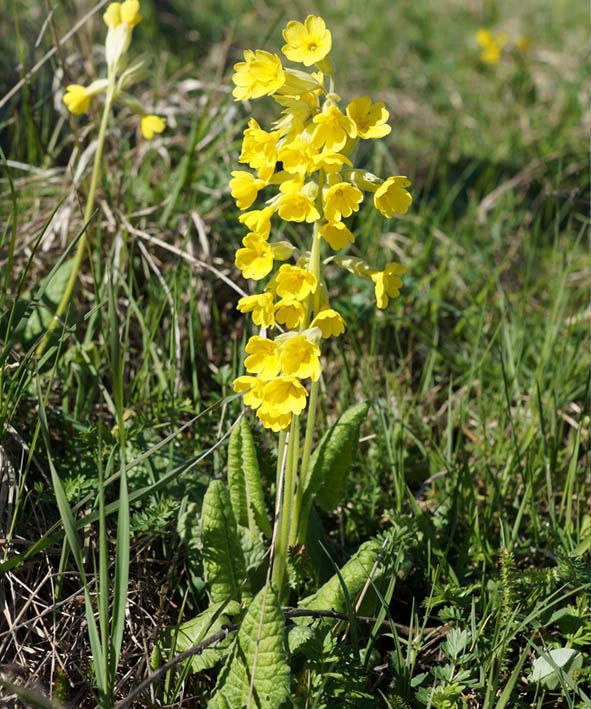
{"x":244,"y":480}
{"x":195,"y":631}
{"x":354,"y":574}
{"x":566,"y":661}
{"x":332,"y":459}
{"x":42,"y":315}
{"x":259,"y":659}
{"x":223,"y":559}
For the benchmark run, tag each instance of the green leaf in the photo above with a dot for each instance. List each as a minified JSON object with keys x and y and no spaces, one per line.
{"x":258,"y":673}
{"x":195,"y":631}
{"x":244,"y":480}
{"x":223,"y":559}
{"x":354,"y":576}
{"x":42,"y":314}
{"x":549,"y":668}
{"x":333,"y":458}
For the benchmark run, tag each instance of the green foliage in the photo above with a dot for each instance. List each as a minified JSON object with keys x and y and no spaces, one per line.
{"x":244,"y":481}
{"x":223,"y":558}
{"x":256,"y":672}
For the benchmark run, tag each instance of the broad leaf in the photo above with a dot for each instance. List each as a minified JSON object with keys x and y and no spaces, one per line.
{"x":244,"y":480}
{"x":42,"y":314}
{"x":257,"y":674}
{"x":223,"y":560}
{"x":562,"y":661}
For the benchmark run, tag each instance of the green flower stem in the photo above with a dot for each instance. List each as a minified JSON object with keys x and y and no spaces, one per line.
{"x":96,"y":168}
{"x":287,"y":492}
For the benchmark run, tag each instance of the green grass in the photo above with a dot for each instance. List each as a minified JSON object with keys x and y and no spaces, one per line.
{"x":475,"y":458}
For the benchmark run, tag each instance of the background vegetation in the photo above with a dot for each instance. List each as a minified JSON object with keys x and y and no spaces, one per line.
{"x":475,"y":456}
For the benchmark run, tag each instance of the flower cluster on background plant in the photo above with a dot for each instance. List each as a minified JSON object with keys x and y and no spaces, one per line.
{"x":305,"y":163}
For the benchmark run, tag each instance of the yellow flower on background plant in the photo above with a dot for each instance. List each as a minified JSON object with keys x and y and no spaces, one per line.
{"x":261,"y":306}
{"x":341,"y":200}
{"x":392,"y":198}
{"x":276,"y":422}
{"x":264,"y":357}
{"x":77,"y":99}
{"x":258,"y":221}
{"x":329,"y":322}
{"x":283,"y":396}
{"x":387,"y":284}
{"x":491,"y":45}
{"x":337,"y":235}
{"x":295,"y":282}
{"x":244,"y":187}
{"x":260,"y":74}
{"x":307,"y":43}
{"x":251,"y":388}
{"x":370,"y":118}
{"x":151,"y":124}
{"x":255,"y":260}
{"x":289,"y":312}
{"x":300,"y":358}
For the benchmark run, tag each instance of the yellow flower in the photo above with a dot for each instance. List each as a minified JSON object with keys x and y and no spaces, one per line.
{"x":112,"y":15}
{"x":297,"y":207}
{"x":370,"y":119}
{"x":245,"y":188}
{"x":151,"y":124}
{"x":491,"y":45}
{"x":300,"y":358}
{"x":337,"y":235}
{"x":387,"y":283}
{"x":523,"y":43}
{"x":259,"y":149}
{"x":264,"y":358}
{"x":283,"y":395}
{"x":255,"y":260}
{"x":341,"y":200}
{"x":330,"y":162}
{"x":295,"y":282}
{"x":330,"y":323}
{"x":258,"y":221}
{"x":289,"y":312}
{"x":76,"y":98}
{"x":275,"y":422}
{"x":392,"y":198}
{"x":252,"y":388}
{"x":332,"y":129}
{"x":130,"y":12}
{"x":261,"y":307}
{"x":297,"y":156}
{"x":260,"y":74}
{"x":307,"y":43}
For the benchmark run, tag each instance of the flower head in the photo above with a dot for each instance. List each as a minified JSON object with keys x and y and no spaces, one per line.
{"x":333,"y":128}
{"x":77,"y":99}
{"x":251,"y":388}
{"x":387,"y":284}
{"x":289,"y":312}
{"x":329,"y":322}
{"x":370,"y":119}
{"x":300,"y":358}
{"x":245,"y":188}
{"x":295,"y":282}
{"x":392,"y":198}
{"x":261,"y":307}
{"x":337,"y":235}
{"x":258,"y":221}
{"x":151,"y":124}
{"x":282,"y":396}
{"x":264,"y":357}
{"x":341,"y":200}
{"x":297,"y":207}
{"x":307,"y":43}
{"x":260,"y":74}
{"x":259,"y":149}
{"x":491,"y":45}
{"x":255,"y":260}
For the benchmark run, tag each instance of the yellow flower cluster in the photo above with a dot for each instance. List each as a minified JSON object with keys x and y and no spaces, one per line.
{"x":120,"y":19}
{"x":307,"y":159}
{"x":492,"y":45}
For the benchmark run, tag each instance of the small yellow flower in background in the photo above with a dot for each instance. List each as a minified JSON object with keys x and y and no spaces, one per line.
{"x":341,"y":200}
{"x":289,"y":312}
{"x":283,"y":396}
{"x":264,"y":357}
{"x":523,"y":43}
{"x":392,"y":198}
{"x":370,"y":119}
{"x":151,"y":124}
{"x":260,"y":74}
{"x":387,"y":284}
{"x":245,"y":188}
{"x":255,"y":260}
{"x":295,"y":282}
{"x":329,"y":322}
{"x":337,"y":235}
{"x":307,"y":43}
{"x":261,"y":306}
{"x":252,"y":388}
{"x":77,"y":99}
{"x":301,"y":358}
{"x":491,"y":45}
